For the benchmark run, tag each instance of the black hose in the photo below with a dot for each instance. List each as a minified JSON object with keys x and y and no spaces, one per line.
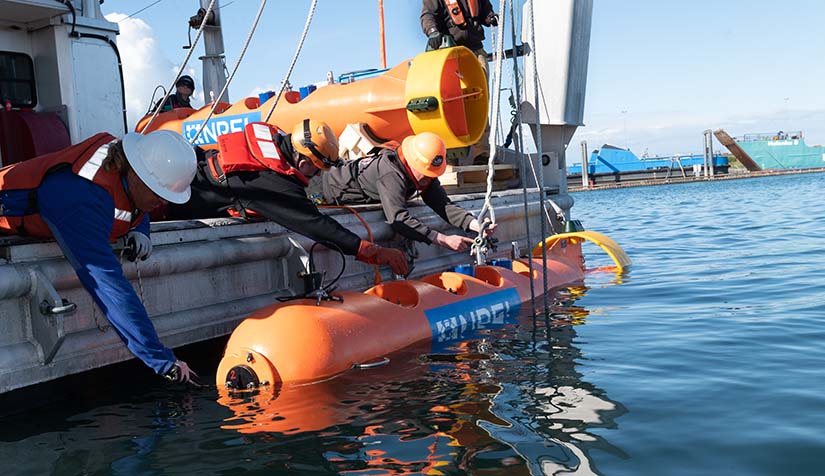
{"x":329,"y":287}
{"x":334,"y":247}
{"x":152,"y":107}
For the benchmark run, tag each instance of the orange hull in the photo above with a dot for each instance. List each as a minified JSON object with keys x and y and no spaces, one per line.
{"x":302,"y":342}
{"x":452,"y":77}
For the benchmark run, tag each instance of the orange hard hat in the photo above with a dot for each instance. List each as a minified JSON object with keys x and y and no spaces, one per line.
{"x":316,"y":140}
{"x":425,"y":153}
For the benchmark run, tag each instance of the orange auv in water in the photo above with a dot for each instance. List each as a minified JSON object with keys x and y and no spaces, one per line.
{"x":300,"y":341}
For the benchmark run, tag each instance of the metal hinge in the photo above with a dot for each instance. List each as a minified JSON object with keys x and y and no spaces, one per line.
{"x":46,"y":310}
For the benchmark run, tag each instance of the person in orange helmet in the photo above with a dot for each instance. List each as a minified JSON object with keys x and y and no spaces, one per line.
{"x":393,"y":176}
{"x":263,"y":171}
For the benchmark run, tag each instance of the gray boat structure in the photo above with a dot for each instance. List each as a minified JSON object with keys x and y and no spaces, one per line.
{"x":204,"y":276}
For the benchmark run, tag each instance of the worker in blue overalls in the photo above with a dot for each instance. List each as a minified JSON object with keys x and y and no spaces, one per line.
{"x":93,"y":193}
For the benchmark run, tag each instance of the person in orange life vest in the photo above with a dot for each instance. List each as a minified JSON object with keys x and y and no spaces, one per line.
{"x":463,"y":20}
{"x":265,"y":171}
{"x":95,"y":192}
{"x":184,"y":88}
{"x":393,"y":176}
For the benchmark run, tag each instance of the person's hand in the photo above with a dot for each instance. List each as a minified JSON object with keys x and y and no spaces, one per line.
{"x":489,"y":229}
{"x":371,"y":253}
{"x":140,"y":245}
{"x":181,"y":373}
{"x":453,"y":242}
{"x":434,"y":40}
{"x":491,"y":20}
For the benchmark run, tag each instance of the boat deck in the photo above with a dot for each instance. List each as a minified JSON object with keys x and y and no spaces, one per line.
{"x":203,"y":277}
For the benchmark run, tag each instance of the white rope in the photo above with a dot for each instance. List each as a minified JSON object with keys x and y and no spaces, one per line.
{"x":540,"y":153}
{"x":182,"y":66}
{"x":294,"y":60}
{"x":498,"y":54}
{"x":234,"y":70}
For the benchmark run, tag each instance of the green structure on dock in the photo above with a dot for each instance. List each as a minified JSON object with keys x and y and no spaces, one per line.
{"x":781,"y":151}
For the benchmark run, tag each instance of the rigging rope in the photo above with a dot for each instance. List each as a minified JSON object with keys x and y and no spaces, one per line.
{"x":294,"y":60}
{"x":185,"y":61}
{"x":234,"y":70}
{"x":498,"y":53}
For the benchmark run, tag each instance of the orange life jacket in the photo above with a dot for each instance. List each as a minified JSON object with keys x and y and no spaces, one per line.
{"x":457,"y":13}
{"x":85,"y":159}
{"x":252,"y":149}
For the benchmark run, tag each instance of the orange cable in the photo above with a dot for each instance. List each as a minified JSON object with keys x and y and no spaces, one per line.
{"x":369,"y":232}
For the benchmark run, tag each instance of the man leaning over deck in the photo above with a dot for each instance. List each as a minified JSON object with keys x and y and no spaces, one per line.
{"x":391,"y":177}
{"x":93,"y":193}
{"x":263,"y":171}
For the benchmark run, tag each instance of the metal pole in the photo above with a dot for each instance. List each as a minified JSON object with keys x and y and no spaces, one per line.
{"x":521,"y":158}
{"x":705,"y":156}
{"x":585,"y":167}
{"x":709,"y":134}
{"x":539,"y":145}
{"x":214,"y":69}
{"x":381,"y":30}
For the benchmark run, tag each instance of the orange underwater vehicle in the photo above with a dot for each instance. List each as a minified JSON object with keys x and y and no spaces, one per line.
{"x":307,"y":340}
{"x":442,"y":91}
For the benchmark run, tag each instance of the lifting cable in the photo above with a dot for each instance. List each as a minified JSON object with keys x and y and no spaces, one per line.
{"x":519,"y":146}
{"x":185,"y":61}
{"x":498,"y":53}
{"x":217,"y":100}
{"x":294,"y":60}
{"x":539,"y":146}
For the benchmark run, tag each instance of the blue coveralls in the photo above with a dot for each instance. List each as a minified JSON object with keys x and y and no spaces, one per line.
{"x":80,"y":215}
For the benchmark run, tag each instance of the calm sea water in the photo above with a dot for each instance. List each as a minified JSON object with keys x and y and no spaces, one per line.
{"x":707,"y":357}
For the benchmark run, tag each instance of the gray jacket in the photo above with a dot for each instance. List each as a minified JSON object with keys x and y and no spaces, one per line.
{"x":383,"y":178}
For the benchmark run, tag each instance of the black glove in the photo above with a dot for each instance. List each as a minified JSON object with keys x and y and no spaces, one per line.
{"x":491,"y":20}
{"x":434,"y":40}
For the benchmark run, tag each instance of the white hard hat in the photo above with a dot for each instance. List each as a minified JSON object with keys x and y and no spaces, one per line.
{"x":164,"y":161}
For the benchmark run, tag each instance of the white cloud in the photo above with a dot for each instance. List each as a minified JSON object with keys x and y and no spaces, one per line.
{"x":144,"y":66}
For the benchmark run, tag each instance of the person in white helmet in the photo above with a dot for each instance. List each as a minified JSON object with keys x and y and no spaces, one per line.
{"x":91,"y":194}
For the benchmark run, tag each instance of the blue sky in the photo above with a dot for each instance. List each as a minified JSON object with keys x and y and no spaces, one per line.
{"x":675,"y":67}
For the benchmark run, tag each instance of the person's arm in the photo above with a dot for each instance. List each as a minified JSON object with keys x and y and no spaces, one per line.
{"x":392,"y":188}
{"x":285,"y":202}
{"x":80,"y":214}
{"x":143,"y":226}
{"x":436,"y":198}
{"x":429,"y":8}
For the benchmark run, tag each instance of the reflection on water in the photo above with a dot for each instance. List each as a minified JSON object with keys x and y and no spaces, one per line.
{"x":508,"y":401}
{"x":504,"y":399}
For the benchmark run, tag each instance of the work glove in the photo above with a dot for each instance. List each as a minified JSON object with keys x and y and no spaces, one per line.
{"x":491,"y":20}
{"x":181,"y":373}
{"x":371,"y":253}
{"x":434,"y":40}
{"x":140,"y":245}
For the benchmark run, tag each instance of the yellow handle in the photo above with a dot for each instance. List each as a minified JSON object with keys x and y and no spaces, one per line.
{"x":604,"y":242}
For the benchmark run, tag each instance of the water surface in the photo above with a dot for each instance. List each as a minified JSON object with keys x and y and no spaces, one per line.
{"x":707,"y":357}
